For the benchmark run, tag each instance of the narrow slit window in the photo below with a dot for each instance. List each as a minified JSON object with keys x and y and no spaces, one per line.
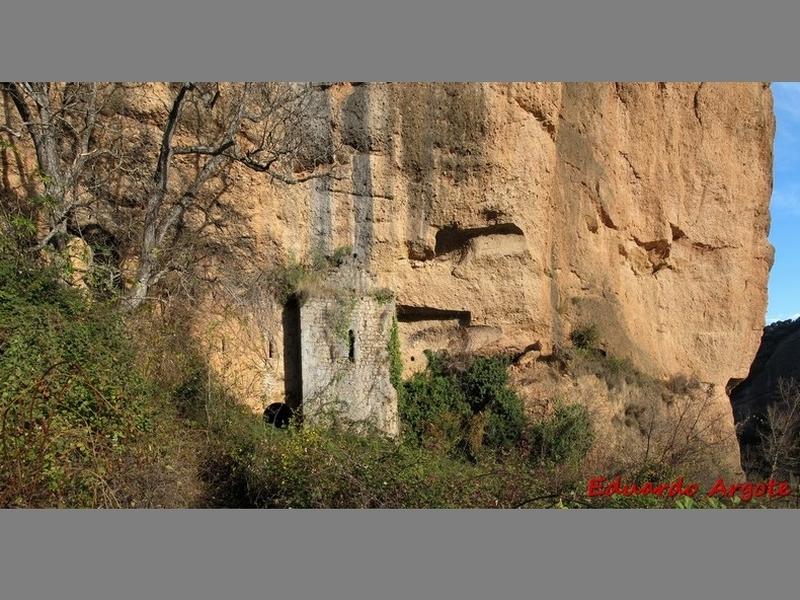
{"x":351,"y":338}
{"x":270,"y":349}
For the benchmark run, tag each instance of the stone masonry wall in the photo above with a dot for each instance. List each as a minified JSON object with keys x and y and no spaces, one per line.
{"x":356,"y":391}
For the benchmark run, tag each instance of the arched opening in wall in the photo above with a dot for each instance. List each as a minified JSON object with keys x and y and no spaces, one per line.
{"x":279,"y":414}
{"x":351,"y":340}
{"x":292,"y":367}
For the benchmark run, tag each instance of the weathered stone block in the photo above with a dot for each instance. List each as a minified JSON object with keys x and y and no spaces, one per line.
{"x":344,"y":337}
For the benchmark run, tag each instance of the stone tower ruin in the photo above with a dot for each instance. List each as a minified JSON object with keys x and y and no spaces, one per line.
{"x":345,"y":326}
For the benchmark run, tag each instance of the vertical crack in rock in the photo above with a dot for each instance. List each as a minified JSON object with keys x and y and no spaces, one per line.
{"x":363,"y":206}
{"x":696,"y":104}
{"x":359,"y":134}
{"x":321,"y":200}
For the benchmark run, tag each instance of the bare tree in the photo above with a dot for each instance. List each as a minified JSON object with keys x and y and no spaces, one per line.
{"x":61,"y":122}
{"x":780,"y":436}
{"x":208,"y":128}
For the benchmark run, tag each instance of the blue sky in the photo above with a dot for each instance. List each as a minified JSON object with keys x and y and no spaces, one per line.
{"x":784,"y":281}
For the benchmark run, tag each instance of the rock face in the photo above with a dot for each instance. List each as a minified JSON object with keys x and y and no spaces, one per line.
{"x":778,"y":358}
{"x":505,"y":215}
{"x":525,"y":210}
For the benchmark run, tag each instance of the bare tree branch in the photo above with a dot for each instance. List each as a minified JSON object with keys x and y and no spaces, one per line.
{"x":89,"y":156}
{"x":11,"y":132}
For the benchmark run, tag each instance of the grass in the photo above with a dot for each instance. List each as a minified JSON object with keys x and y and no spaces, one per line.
{"x":101,"y":411}
{"x":81,"y":425}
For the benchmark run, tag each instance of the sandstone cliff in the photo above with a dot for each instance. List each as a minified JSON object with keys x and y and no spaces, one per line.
{"x":505,"y":215}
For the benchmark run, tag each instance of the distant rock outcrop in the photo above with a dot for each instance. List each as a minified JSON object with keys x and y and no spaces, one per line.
{"x":778,"y":358}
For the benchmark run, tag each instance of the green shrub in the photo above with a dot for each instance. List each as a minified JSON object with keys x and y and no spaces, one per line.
{"x":251,"y":465}
{"x":564,"y":438}
{"x":383,"y":295}
{"x":462,"y":408}
{"x":506,"y":422}
{"x":341,"y":254}
{"x":483,"y":380}
{"x":395,"y":358}
{"x":584,"y":337}
{"x":433,"y":409}
{"x":70,"y":399}
{"x":286,"y":280}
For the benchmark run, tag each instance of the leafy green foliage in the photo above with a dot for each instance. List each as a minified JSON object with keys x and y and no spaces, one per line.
{"x":81,"y":425}
{"x":395,"y":357}
{"x":383,"y":295}
{"x":462,"y":409}
{"x":253,"y":465}
{"x":483,"y":380}
{"x":565,"y":437}
{"x":22,"y":226}
{"x":506,"y":422}
{"x":286,"y":280}
{"x":433,"y":409}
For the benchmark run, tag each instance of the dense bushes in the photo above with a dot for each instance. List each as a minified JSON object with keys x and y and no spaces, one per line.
{"x":466,"y":405}
{"x":97,"y":415}
{"x":66,"y":391}
{"x":254,"y":465}
{"x":433,"y":411}
{"x":79,"y":423}
{"x":465,"y":443}
{"x":462,"y":407}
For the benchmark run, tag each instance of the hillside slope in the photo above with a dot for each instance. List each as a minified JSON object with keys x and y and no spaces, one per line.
{"x":503,"y":216}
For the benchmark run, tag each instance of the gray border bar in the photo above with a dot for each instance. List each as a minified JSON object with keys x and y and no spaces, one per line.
{"x":395,"y":554}
{"x":409,"y":40}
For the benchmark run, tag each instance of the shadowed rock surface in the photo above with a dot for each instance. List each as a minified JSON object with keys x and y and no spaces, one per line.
{"x":778,"y":358}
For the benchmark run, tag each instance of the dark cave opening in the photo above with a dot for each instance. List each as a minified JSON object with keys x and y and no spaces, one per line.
{"x":452,"y":239}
